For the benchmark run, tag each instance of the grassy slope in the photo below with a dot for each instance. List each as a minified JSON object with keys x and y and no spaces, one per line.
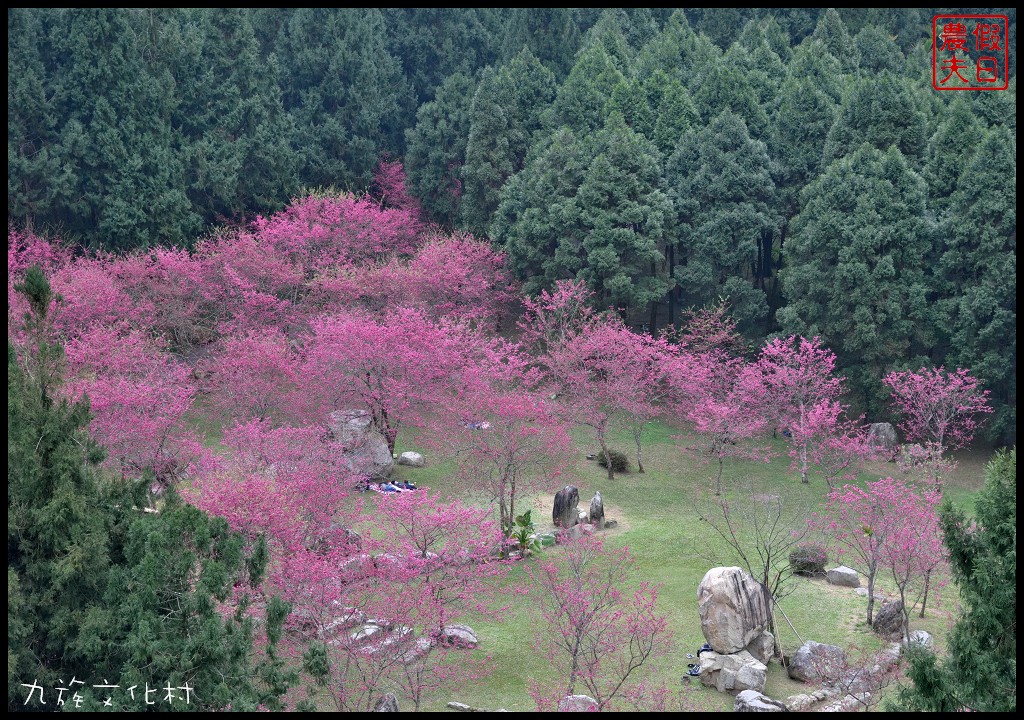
{"x":672,"y":547}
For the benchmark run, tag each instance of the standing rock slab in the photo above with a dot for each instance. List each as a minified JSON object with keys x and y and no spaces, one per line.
{"x":733,"y":610}
{"x":364,"y":450}
{"x":817,"y":662}
{"x":412,"y":459}
{"x":753,"y":701}
{"x":843,"y":576}
{"x":577,"y":703}
{"x":565,"y":514}
{"x":597,"y":511}
{"x":733,"y":672}
{"x":888,"y":620}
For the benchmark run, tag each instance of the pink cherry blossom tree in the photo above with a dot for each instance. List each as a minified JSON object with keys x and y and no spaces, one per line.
{"x":882,"y":527}
{"x":597,"y":634}
{"x":940,"y":410}
{"x":139,"y":397}
{"x":726,"y":415}
{"x":795,"y":376}
{"x":252,"y":376}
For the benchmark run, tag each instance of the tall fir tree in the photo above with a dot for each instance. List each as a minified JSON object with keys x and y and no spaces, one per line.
{"x":436,"y":148}
{"x":854,"y":270}
{"x":724,"y":196}
{"x":980,"y":672}
{"x":979,"y":266}
{"x":505,"y":114}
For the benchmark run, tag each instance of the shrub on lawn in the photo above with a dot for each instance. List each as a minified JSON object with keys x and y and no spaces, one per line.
{"x":808,"y":559}
{"x":620,"y":463}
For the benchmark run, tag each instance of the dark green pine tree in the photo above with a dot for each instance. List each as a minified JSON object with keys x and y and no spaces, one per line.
{"x":538,"y":222}
{"x":950,"y":151}
{"x":880,"y":111}
{"x":345,"y":93}
{"x":980,"y":672}
{"x":551,"y":34}
{"x":505,"y":114}
{"x":99,"y":590}
{"x":979,"y":310}
{"x":434,"y":43}
{"x":625,"y":215}
{"x":115,"y":122}
{"x":811,"y":61}
{"x":436,"y":148}
{"x":233,"y":119}
{"x":724,"y":197}
{"x":677,"y":51}
{"x":722,"y":24}
{"x":854,"y":271}
{"x":35,"y":175}
{"x":878,"y":51}
{"x":656,"y":106}
{"x":581,"y":101}
{"x":722,"y":85}
{"x":832,"y":33}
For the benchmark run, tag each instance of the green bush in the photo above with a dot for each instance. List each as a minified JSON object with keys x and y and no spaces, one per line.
{"x":620,"y":463}
{"x":808,"y":559}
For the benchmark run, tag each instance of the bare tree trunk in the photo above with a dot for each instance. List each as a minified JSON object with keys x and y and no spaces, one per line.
{"x":927,"y":585}
{"x":607,"y":456}
{"x":638,"y":430}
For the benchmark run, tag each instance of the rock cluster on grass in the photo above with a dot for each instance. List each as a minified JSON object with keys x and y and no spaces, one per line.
{"x":753,"y":701}
{"x":733,"y":672}
{"x":387,"y":703}
{"x":816,"y":662}
{"x":733,"y":609}
{"x":883,"y":436}
{"x":843,"y":577}
{"x":734,"y":619}
{"x":366,"y":452}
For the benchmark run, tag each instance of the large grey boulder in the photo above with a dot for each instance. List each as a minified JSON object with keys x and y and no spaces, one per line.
{"x":817,"y":662}
{"x":883,"y":436}
{"x":732,"y":672}
{"x":733,"y":610}
{"x":920,"y":638}
{"x":565,"y":514}
{"x":753,"y":701}
{"x":597,"y":511}
{"x":577,"y":703}
{"x":412,"y":459}
{"x":364,"y":450}
{"x":843,"y":576}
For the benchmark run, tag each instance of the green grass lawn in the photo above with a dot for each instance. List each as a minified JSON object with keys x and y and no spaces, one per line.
{"x":672,"y":547}
{"x":658,"y":521}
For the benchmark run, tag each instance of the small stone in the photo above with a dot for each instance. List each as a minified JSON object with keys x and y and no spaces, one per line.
{"x":922,"y":638}
{"x":459,"y":635}
{"x":461,"y":707}
{"x":609,"y":524}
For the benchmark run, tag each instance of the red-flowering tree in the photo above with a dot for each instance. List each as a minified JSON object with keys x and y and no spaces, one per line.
{"x":519,"y":453}
{"x":552,"y":318}
{"x":795,"y":378}
{"x":872,"y":528}
{"x":940,"y":410}
{"x":594,"y":375}
{"x":390,"y":187}
{"x":597,"y":635}
{"x":138,"y":396}
{"x":648,"y":370}
{"x":842,"y":451}
{"x":725,"y":415}
{"x":252,"y":377}
{"x":395,"y":367}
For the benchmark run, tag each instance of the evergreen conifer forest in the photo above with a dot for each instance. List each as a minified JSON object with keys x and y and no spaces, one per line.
{"x":313,"y":311}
